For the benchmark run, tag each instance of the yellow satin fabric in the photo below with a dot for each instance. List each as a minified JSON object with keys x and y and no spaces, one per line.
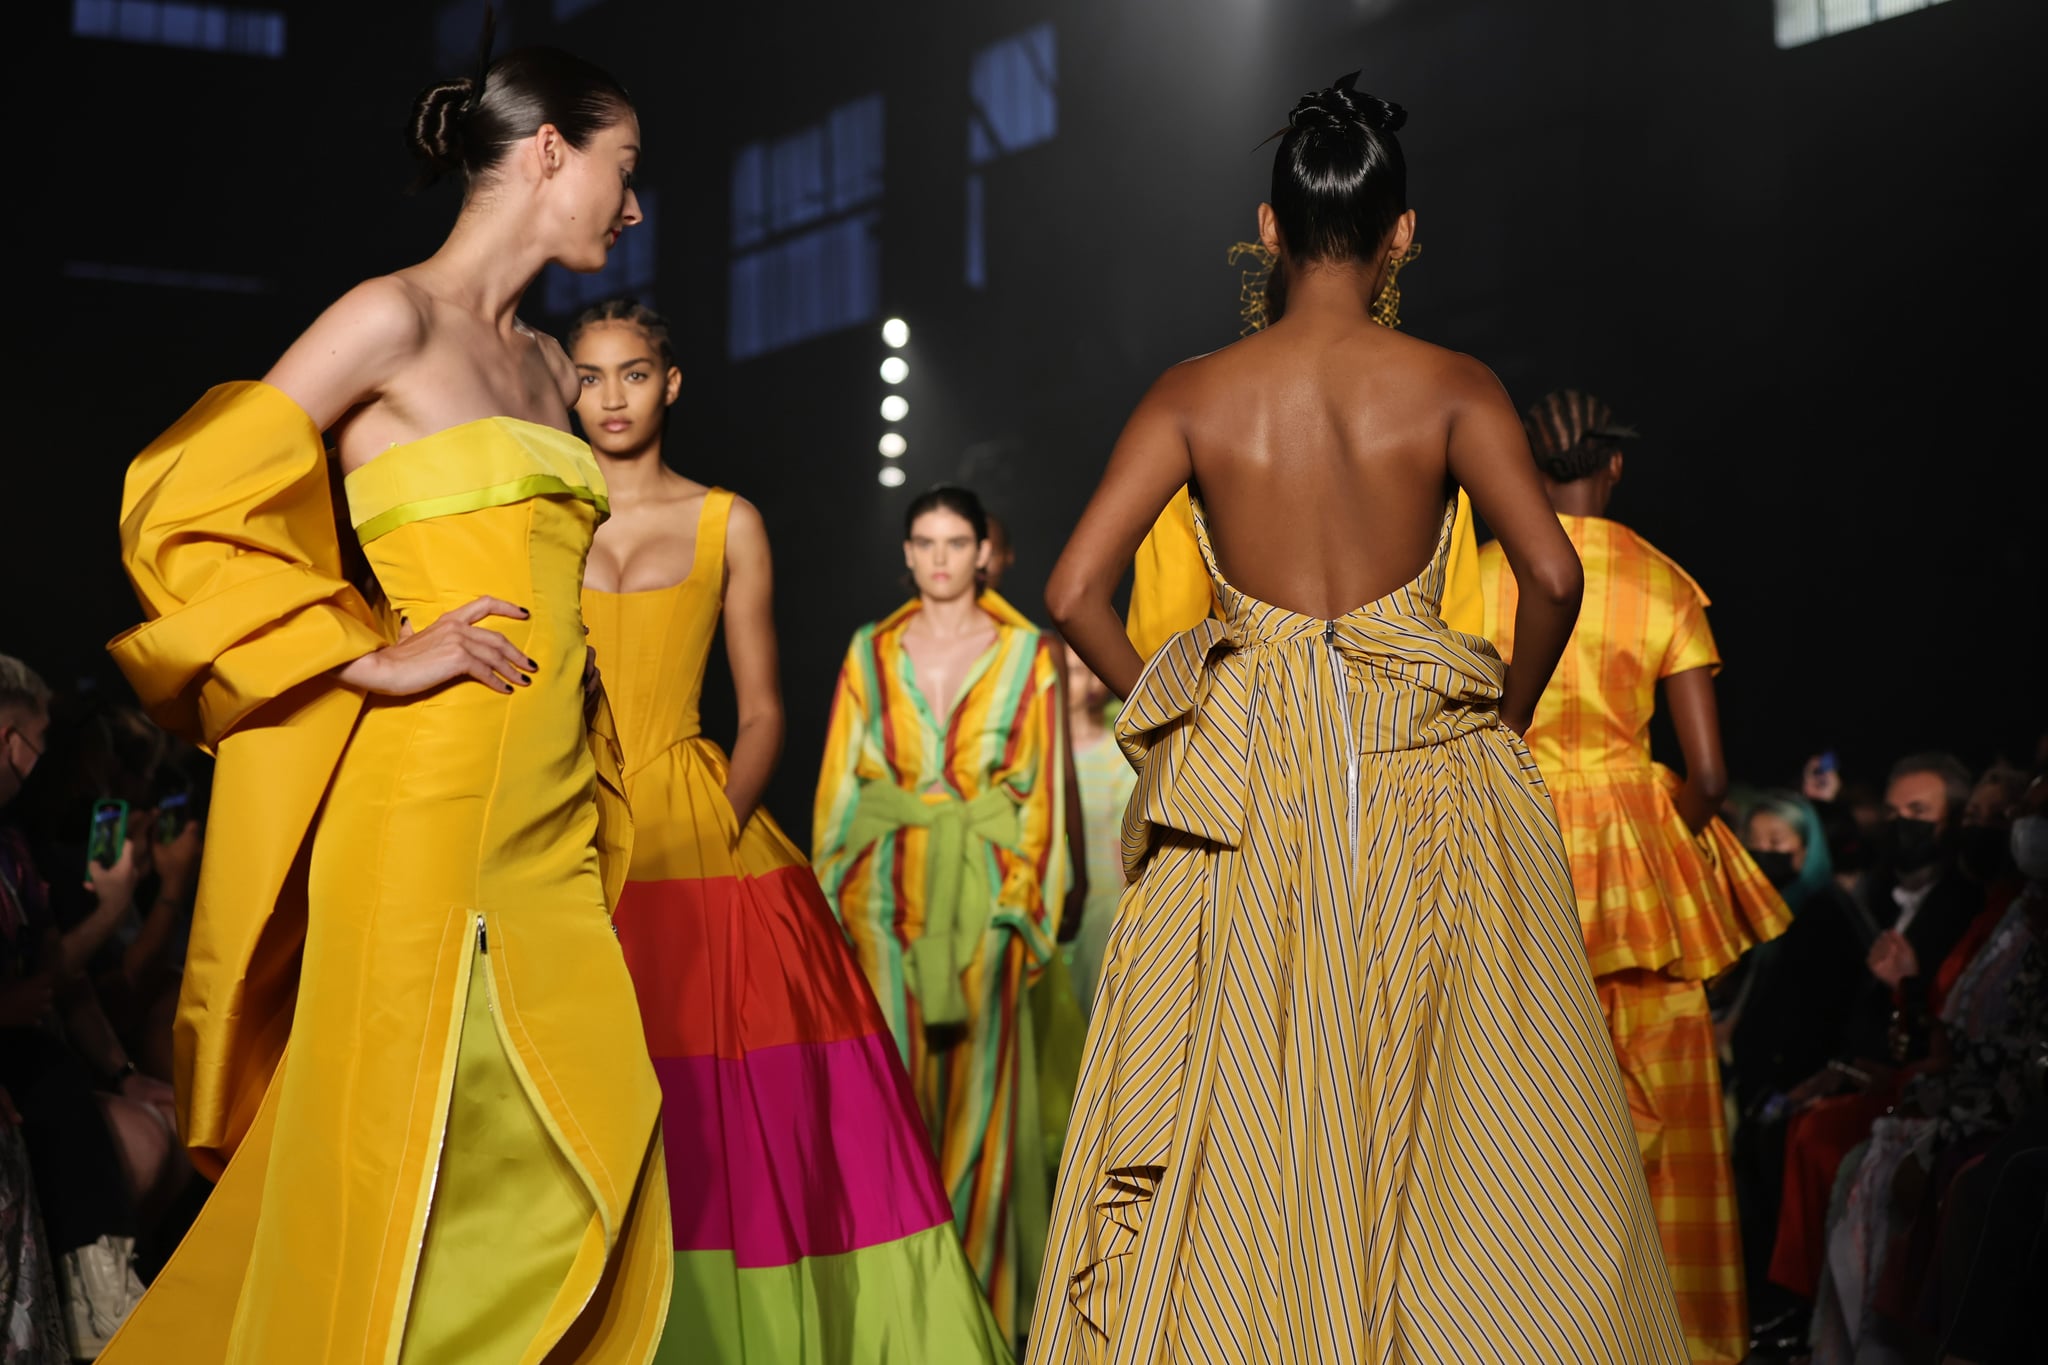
{"x":434,"y":823}
{"x":1171,"y":591}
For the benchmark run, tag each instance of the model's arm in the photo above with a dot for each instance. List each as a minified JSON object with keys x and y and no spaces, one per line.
{"x":1077,"y":834}
{"x":750,"y":649}
{"x":1489,"y":458}
{"x":1149,"y":464}
{"x":1690,"y":695}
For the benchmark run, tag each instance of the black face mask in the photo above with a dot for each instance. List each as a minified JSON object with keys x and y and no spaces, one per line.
{"x":1911,"y":845}
{"x":1985,"y":851}
{"x":1776,"y":865}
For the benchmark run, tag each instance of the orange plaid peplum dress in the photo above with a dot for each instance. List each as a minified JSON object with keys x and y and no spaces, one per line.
{"x":1662,"y":911}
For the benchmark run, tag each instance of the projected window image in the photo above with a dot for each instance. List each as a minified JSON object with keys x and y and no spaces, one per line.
{"x":1014,"y":88}
{"x":805,"y":232}
{"x":205,"y":28}
{"x":1805,"y":21}
{"x":1013,"y":98}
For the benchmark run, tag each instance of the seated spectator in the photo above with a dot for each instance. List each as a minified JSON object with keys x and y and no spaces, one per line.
{"x":1923,"y":906}
{"x":1796,"y":995}
{"x":31,"y":1324}
{"x":100,"y":1136}
{"x":129,"y":944}
{"x":1789,"y":1006}
{"x":1973,"y":1087}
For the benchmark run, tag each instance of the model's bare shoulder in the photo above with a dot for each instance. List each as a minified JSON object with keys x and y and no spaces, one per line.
{"x":744,"y":524}
{"x":383,"y":313}
{"x":1465,"y":381}
{"x":560,"y":368}
{"x":354,"y":348}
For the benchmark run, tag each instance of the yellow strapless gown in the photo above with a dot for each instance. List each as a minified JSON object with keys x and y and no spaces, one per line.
{"x":458,"y":1158}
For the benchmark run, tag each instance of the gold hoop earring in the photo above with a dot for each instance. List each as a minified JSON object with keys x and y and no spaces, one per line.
{"x":1386,"y":309}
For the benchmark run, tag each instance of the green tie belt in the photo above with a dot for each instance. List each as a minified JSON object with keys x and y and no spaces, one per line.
{"x":956,"y":884}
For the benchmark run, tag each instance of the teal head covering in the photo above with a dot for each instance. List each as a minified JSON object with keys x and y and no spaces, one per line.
{"x":1797,"y":812}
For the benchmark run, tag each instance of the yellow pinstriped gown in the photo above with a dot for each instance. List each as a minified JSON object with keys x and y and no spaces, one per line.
{"x":1348,"y":1095}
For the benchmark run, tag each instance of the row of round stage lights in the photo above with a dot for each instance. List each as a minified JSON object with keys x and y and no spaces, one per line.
{"x":895,"y":407}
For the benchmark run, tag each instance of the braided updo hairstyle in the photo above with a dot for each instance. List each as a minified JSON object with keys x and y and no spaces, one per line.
{"x":468,"y":125}
{"x":653,"y":324}
{"x":1573,"y":435}
{"x":1340,"y":182}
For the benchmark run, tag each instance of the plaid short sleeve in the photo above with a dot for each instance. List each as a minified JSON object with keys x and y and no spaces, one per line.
{"x":1692,"y":639}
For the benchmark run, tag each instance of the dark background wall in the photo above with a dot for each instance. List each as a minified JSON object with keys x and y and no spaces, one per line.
{"x":1807,"y":275}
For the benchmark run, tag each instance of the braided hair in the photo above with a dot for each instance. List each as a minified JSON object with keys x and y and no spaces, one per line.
{"x":1573,"y":434}
{"x":632,"y":312}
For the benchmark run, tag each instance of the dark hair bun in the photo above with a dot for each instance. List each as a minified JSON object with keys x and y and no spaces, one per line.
{"x":1341,"y":107}
{"x":435,"y":134}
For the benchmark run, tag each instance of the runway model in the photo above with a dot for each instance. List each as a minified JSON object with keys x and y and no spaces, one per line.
{"x":939,"y":837}
{"x":810,"y":1224}
{"x":1348,"y":1094}
{"x":1667,"y":896}
{"x":407,"y":1042}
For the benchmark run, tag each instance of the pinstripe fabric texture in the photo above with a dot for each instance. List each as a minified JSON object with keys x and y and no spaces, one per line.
{"x":1348,"y":1094}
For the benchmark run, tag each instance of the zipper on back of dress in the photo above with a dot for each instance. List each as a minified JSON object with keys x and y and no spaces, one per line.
{"x":1350,"y":741}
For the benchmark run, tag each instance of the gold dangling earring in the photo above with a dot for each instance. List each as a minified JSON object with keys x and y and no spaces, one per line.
{"x":1386,"y":309}
{"x":1255,"y":285}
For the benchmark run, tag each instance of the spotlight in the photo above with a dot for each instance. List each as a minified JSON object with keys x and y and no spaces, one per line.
{"x":890,"y":476}
{"x":895,"y":408}
{"x":894,"y":369}
{"x":892,"y":445}
{"x":896,"y":332}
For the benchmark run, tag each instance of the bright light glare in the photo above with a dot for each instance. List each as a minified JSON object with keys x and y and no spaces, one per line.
{"x":896,"y":332}
{"x":892,"y":444}
{"x":895,"y":408}
{"x":894,"y":369}
{"x":890,"y":475}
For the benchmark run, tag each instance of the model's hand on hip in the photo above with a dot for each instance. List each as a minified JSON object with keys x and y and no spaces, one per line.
{"x":455,"y":646}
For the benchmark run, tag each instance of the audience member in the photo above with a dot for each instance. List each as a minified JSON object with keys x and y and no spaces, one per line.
{"x":31,"y":1325}
{"x":100,"y":1136}
{"x":1789,"y":1007}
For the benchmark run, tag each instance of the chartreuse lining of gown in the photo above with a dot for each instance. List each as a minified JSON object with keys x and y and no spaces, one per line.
{"x":810,"y":1222}
{"x":1348,"y":1095}
{"x":406,"y":1032}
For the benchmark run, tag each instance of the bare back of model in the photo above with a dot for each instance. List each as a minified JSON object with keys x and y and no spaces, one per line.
{"x":1325,"y":448}
{"x":1320,"y":448}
